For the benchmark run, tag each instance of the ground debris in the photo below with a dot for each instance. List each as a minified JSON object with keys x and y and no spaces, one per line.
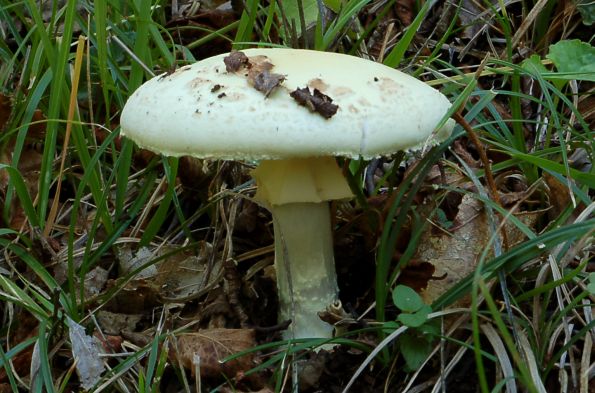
{"x":85,"y":349}
{"x":204,"y":351}
{"x":315,"y":102}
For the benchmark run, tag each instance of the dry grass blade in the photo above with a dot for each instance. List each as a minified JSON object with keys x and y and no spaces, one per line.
{"x":390,"y":338}
{"x":585,"y":364}
{"x":454,"y":361}
{"x":530,"y":361}
{"x":503,"y":358}
{"x":527,"y":21}
{"x":117,"y":228}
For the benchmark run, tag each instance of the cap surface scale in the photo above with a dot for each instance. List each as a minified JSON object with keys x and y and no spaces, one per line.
{"x":202,"y":110}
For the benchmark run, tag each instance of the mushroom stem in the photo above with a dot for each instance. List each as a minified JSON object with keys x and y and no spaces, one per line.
{"x":297,"y":191}
{"x":305,"y":266}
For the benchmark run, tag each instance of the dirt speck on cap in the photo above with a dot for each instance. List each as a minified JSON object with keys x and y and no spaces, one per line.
{"x":197,"y":82}
{"x":315,"y":102}
{"x":353,"y":109}
{"x":341,"y":91}
{"x":388,"y":85}
{"x":317,"y":83}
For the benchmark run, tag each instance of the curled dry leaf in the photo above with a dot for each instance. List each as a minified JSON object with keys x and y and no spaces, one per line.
{"x":266,"y":82}
{"x":235,"y":61}
{"x":259,"y":67}
{"x":131,"y":261}
{"x":212,"y":346}
{"x":260,"y":77}
{"x":85,"y":350}
{"x":315,"y":102}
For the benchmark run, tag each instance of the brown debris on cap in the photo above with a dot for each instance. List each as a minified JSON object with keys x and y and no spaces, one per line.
{"x":260,"y":77}
{"x":363,"y":125}
{"x":259,"y":67}
{"x":315,"y":102}
{"x":266,"y":82}
{"x":235,"y":61}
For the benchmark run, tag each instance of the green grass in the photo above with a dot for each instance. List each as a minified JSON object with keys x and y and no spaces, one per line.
{"x":110,"y":197}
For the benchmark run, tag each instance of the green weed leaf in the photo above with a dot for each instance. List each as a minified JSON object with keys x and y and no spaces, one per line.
{"x":406,"y":299}
{"x":415,"y":319}
{"x":534,"y":64}
{"x":390,"y":326}
{"x":574,"y":57}
{"x":587,"y":11}
{"x":415,"y":350}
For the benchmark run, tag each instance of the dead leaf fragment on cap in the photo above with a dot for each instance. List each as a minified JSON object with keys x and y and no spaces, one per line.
{"x":259,"y":67}
{"x":235,"y":61}
{"x":266,"y":82}
{"x":260,"y":77}
{"x":315,"y":102}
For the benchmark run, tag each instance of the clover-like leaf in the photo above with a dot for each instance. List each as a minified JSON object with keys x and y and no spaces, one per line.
{"x":416,"y":319}
{"x":406,"y":299}
{"x":390,"y":326}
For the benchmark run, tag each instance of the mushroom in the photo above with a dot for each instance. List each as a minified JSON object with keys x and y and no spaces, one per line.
{"x":294,"y":111}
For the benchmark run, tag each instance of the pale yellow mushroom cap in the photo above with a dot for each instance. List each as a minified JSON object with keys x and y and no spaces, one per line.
{"x":204,"y":111}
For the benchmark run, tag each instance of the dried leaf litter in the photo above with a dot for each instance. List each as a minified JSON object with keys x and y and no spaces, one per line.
{"x":316,"y":102}
{"x":260,"y":77}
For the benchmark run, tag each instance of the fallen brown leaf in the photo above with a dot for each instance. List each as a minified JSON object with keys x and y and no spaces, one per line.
{"x":212,"y":346}
{"x":455,"y":253}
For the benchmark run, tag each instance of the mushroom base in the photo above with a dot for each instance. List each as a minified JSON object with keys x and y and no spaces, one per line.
{"x":305,"y":267}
